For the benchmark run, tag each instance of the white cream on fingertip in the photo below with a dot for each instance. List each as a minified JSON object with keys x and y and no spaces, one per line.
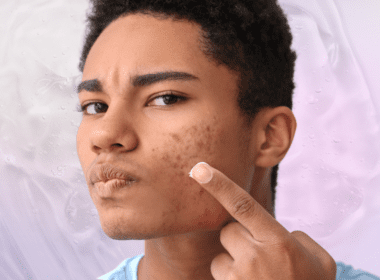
{"x":201,"y":172}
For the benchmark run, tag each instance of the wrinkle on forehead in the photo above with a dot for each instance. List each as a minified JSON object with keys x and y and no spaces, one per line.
{"x":144,"y":29}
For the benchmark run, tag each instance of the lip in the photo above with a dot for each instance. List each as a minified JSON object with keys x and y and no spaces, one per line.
{"x":108,"y":189}
{"x":107,"y":171}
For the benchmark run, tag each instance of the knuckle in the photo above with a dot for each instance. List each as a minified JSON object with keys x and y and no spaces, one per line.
{"x":298,"y":233}
{"x":304,"y":239}
{"x":224,"y":233}
{"x":326,"y":261}
{"x":243,"y":206}
{"x":285,"y":245}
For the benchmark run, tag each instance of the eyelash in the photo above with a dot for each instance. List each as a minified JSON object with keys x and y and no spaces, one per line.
{"x":83,"y":108}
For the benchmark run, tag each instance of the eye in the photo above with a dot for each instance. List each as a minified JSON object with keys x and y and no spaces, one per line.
{"x":98,"y":106}
{"x":166,"y":99}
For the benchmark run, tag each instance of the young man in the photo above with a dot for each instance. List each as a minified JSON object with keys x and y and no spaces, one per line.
{"x":167,"y":85}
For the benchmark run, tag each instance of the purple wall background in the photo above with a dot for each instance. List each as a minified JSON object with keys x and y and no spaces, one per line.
{"x":328,"y":182}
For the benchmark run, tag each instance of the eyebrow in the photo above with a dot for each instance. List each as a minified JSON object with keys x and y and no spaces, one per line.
{"x":140,"y":81}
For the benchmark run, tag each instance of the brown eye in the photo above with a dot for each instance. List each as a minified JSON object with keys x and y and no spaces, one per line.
{"x":97,"y":108}
{"x":167,"y":99}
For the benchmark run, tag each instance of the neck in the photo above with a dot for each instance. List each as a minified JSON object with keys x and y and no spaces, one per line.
{"x":180,"y":257}
{"x":261,"y":188}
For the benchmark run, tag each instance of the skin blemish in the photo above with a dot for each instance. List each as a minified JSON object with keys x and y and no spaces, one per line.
{"x":165,"y":157}
{"x":200,"y":144}
{"x":187,"y":147}
{"x":176,"y":137}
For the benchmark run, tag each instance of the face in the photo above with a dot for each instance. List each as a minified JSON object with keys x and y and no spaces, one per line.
{"x":158,"y":138}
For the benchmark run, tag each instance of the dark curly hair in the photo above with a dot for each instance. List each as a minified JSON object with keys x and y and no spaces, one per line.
{"x":251,"y":37}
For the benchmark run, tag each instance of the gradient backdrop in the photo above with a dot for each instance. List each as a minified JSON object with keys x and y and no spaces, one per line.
{"x":328,"y":182}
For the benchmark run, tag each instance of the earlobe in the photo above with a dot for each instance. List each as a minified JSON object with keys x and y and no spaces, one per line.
{"x":277,"y":133}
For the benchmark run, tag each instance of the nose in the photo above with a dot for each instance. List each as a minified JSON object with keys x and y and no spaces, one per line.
{"x":115,"y":130}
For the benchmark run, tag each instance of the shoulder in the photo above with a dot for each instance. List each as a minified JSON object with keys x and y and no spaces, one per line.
{"x":127,"y":270}
{"x":344,"y":271}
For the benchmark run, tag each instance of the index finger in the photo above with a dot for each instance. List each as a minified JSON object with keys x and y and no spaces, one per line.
{"x":240,"y":204}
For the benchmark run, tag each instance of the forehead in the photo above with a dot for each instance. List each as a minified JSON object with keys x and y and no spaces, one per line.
{"x":141,"y":41}
{"x":138,"y":44}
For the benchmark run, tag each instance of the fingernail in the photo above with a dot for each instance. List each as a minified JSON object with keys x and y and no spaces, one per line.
{"x":201,"y":172}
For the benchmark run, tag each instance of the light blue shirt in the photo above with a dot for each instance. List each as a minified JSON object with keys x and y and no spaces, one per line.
{"x":127,"y":270}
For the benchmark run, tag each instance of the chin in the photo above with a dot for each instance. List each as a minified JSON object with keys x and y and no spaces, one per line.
{"x":118,"y":232}
{"x":118,"y":228}
{"x":136,"y":231}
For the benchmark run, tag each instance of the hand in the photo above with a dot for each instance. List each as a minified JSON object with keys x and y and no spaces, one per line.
{"x":259,"y":247}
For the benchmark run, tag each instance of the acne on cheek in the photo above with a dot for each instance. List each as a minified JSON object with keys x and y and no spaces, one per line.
{"x":197,"y":143}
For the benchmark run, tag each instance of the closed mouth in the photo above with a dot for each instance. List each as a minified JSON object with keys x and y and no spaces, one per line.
{"x":106,"y":172}
{"x":107,"y":189}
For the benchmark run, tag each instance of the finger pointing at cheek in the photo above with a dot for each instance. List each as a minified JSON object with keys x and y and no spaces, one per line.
{"x":240,"y":204}
{"x":271,"y":252}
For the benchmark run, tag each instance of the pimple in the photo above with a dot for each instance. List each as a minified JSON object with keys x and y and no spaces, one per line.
{"x":176,"y":137}
{"x":200,"y":145}
{"x":165,"y":157}
{"x":192,"y":130}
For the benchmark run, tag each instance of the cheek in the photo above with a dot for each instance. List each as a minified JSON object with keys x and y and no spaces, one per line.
{"x":80,"y":145}
{"x":178,"y":155}
{"x":83,"y":148}
{"x":197,"y":143}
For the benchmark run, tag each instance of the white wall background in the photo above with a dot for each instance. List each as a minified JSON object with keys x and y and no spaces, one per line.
{"x":328,"y":182}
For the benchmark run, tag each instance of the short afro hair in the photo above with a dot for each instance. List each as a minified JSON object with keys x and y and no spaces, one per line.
{"x":250,"y":37}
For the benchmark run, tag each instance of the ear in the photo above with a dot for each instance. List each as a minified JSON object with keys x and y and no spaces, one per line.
{"x":275,"y":128}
